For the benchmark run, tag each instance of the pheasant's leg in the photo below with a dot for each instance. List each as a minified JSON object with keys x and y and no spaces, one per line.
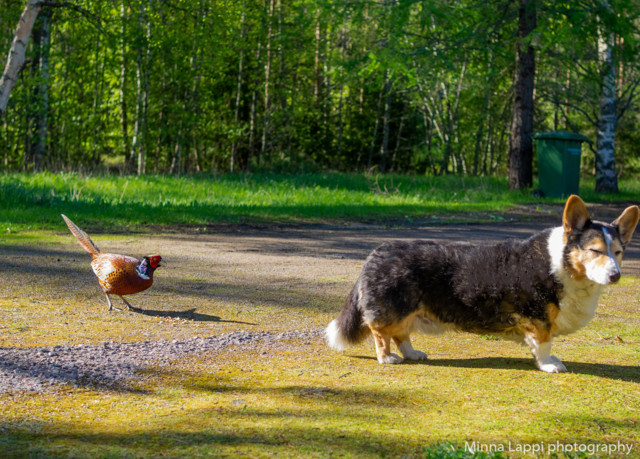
{"x":111,"y":306}
{"x":128,"y":305}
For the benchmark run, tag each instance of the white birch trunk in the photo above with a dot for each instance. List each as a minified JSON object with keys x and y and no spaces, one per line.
{"x":16,"y":58}
{"x":606,"y":177}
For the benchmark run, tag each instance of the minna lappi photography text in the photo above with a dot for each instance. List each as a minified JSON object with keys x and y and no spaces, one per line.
{"x":549,"y":448}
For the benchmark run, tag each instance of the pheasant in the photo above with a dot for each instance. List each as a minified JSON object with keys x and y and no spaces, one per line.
{"x":117,"y":274}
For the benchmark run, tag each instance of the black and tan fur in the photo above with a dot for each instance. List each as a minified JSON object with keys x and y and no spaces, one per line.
{"x":528,"y":291}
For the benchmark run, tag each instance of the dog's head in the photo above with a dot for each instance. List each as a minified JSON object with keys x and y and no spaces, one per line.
{"x":593,"y":249}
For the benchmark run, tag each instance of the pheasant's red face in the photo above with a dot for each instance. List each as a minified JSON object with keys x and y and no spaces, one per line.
{"x":154,"y":261}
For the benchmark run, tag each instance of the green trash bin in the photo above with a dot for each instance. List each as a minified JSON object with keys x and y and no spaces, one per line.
{"x":559,"y":162}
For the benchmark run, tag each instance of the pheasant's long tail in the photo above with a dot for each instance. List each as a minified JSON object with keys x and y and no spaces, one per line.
{"x":83,"y":238}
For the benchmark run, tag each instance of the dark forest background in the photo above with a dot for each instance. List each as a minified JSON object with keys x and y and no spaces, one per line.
{"x":185,"y":86}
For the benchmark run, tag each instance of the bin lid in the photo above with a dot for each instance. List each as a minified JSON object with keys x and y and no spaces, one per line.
{"x":560,"y":135}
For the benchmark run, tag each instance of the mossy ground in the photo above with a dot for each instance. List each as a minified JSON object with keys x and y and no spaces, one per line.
{"x":296,"y":397}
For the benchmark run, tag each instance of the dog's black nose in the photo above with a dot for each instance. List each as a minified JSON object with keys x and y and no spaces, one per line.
{"x":614,"y":277}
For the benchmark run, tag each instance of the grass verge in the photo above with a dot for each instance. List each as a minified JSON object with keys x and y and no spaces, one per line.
{"x":35,"y":201}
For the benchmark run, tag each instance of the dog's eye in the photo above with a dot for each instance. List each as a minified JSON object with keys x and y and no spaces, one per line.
{"x":618,"y":253}
{"x":596,"y":251}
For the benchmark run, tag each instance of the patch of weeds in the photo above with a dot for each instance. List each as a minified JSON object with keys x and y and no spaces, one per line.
{"x":570,"y":455}
{"x":449,"y":450}
{"x":490,"y":337}
{"x":19,"y":326}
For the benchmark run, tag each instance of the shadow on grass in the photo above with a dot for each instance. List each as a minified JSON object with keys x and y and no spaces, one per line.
{"x":189,"y":314}
{"x":44,"y":440}
{"x":627,"y":373}
{"x":327,"y":424}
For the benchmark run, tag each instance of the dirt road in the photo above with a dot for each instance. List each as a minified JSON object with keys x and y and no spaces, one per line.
{"x":253,"y":282}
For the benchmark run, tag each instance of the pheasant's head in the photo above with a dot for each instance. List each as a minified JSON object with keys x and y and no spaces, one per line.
{"x":148,"y":265}
{"x":154,"y":261}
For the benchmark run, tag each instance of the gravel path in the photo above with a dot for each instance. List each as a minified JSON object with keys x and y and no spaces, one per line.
{"x":111,"y":364}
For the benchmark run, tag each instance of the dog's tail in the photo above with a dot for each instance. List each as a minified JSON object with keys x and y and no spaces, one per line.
{"x":348,"y":329}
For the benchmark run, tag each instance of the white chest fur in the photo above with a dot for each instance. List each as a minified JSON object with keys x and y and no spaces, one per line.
{"x":577,"y":305}
{"x":579,"y":297}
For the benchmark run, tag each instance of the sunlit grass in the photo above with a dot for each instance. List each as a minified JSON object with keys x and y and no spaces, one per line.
{"x":111,"y":202}
{"x":295,"y":398}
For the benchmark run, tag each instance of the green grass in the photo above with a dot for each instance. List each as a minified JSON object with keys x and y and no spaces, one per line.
{"x":35,"y":201}
{"x":296,"y":398}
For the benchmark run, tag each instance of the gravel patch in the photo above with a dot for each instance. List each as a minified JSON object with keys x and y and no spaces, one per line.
{"x":111,"y":364}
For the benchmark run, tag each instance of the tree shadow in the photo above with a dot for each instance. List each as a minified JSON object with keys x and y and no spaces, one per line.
{"x":189,"y":314}
{"x":627,"y":373}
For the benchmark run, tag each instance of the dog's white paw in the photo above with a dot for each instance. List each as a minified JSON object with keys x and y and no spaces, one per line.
{"x":414,"y":354}
{"x":553,"y":365}
{"x":390,"y":358}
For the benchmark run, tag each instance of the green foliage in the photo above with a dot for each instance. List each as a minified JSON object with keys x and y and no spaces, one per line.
{"x":301,"y":86}
{"x":451,"y":451}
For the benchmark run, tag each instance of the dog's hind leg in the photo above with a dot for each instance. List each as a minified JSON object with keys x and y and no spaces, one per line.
{"x":406,"y":349}
{"x":383,"y":348}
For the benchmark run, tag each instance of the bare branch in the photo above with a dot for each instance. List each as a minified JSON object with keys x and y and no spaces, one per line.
{"x":629,"y":98}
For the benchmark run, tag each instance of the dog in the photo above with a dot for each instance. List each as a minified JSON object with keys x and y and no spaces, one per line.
{"x":529,"y":291}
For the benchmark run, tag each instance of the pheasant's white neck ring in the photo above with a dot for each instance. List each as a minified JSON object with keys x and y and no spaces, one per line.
{"x":141,"y":273}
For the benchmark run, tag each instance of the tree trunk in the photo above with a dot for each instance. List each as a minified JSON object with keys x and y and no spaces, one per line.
{"x":317,"y":73}
{"x":236,"y":115}
{"x":16,"y":58}
{"x":374,"y":137}
{"x":176,"y":160}
{"x":98,"y":81}
{"x":192,"y":100}
{"x":137,"y":125}
{"x":606,"y":177}
{"x":384,"y":148}
{"x":396,"y":149}
{"x":253,"y":115}
{"x":521,"y":146}
{"x":341,"y":99}
{"x":41,"y":39}
{"x":145,"y":99}
{"x":483,"y":115}
{"x":123,"y":79}
{"x":143,"y":62}
{"x":267,"y":81}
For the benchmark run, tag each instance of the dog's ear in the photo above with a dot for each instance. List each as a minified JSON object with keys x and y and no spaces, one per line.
{"x":575,"y":215}
{"x":626,"y":223}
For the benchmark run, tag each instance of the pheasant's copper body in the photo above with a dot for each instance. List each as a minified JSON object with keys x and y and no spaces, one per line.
{"x":117,"y":274}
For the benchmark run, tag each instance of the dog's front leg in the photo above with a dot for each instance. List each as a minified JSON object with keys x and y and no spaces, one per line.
{"x":406,"y":349}
{"x":541,"y":351}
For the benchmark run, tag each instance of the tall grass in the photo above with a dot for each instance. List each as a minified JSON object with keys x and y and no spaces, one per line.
{"x":37,"y":200}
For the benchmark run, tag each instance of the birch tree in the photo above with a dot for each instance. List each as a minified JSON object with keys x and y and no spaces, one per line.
{"x":16,"y":58}
{"x":606,"y":177}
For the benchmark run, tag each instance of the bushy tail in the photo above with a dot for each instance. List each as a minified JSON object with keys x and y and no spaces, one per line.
{"x":348,"y":329}
{"x":83,"y":238}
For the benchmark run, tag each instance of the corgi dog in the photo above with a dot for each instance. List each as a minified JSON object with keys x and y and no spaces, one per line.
{"x":529,"y":291}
